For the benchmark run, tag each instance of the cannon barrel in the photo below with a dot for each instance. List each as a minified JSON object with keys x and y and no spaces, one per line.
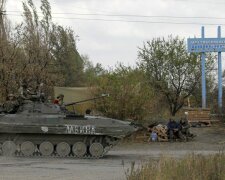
{"x":86,"y":100}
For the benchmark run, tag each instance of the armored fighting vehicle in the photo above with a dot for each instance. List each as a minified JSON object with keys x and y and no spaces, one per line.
{"x":47,"y":129}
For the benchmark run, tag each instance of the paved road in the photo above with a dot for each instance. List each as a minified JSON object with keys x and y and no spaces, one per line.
{"x":111,"y":167}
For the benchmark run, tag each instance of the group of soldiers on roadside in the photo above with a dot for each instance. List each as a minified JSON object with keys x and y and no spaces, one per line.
{"x":176,"y":130}
{"x":179,"y":130}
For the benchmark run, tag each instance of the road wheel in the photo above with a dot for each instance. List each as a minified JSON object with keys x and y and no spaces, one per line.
{"x":96,"y":149}
{"x":63,"y":149}
{"x":27,"y":148}
{"x":8,"y":148}
{"x":79,"y":149}
{"x":46,"y":148}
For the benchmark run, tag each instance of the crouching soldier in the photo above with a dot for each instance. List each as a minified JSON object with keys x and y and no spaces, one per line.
{"x":185,"y":128}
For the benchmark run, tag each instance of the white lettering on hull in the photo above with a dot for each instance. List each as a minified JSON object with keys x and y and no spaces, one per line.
{"x":75,"y":129}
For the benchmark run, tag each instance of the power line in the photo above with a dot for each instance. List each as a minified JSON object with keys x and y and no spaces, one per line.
{"x":136,"y":15}
{"x":135,"y":21}
{"x":86,"y":8}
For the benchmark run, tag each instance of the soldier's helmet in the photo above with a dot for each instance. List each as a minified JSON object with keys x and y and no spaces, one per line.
{"x":11,"y":95}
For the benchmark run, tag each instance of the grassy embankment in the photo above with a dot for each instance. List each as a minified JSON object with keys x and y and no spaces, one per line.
{"x":192,"y":167}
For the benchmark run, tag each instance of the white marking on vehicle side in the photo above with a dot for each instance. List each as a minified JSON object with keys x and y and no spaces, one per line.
{"x":44,"y":129}
{"x":75,"y":129}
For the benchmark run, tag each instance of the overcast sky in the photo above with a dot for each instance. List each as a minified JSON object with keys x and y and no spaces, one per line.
{"x":109,"y":42}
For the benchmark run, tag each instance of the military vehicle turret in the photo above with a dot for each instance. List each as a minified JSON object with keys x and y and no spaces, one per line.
{"x":42,"y":128}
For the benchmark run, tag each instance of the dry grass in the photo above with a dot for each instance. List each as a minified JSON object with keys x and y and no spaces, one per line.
{"x":192,"y":167}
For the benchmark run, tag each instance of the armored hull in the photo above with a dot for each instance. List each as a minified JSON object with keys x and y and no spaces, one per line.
{"x":44,"y":129}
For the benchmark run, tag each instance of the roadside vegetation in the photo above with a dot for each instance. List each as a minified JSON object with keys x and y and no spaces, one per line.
{"x":192,"y":167}
{"x":164,"y":80}
{"x":37,"y":50}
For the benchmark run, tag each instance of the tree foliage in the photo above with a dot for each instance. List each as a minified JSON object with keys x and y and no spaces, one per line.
{"x":171,"y":70}
{"x":92,"y":72}
{"x":68,"y":60}
{"x":35,"y":42}
{"x":39,"y":51}
{"x":129,"y":95}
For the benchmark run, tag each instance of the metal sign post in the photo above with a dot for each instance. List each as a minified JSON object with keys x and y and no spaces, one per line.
{"x":220,"y":86}
{"x":203,"y":74}
{"x":202,"y":45}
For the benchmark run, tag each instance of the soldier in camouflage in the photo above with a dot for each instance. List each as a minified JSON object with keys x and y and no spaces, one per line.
{"x":11,"y":105}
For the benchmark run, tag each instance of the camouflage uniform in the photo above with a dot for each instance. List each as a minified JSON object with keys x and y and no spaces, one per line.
{"x":11,"y":105}
{"x":185,"y":127}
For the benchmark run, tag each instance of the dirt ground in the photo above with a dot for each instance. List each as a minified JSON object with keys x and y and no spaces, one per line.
{"x":209,"y":140}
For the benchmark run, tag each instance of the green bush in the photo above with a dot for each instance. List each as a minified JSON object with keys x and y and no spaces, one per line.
{"x":130,"y":95}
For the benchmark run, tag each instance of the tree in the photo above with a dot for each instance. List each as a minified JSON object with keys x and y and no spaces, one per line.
{"x":50,"y":49}
{"x":92,"y":72}
{"x":171,"y":70}
{"x":69,"y":61}
{"x":8,"y":52}
{"x":129,"y":95}
{"x":37,"y":63}
{"x":38,"y":51}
